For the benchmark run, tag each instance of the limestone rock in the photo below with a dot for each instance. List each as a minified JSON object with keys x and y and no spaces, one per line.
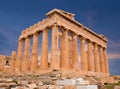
{"x":24,"y":82}
{"x":117,"y":87}
{"x":40,"y":83}
{"x":69,"y":82}
{"x":31,"y":86}
{"x":70,"y":87}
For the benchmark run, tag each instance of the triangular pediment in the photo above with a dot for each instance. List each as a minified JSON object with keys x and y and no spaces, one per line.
{"x":61,"y":12}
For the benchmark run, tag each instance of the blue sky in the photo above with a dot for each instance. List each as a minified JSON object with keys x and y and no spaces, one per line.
{"x":102,"y":16}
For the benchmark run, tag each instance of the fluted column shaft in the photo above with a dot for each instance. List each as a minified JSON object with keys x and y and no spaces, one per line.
{"x":26,"y":55}
{"x":64,"y":57}
{"x":96,"y":58}
{"x":34,"y":60}
{"x":54,"y":54}
{"x":44,"y":56}
{"x":102,"y":65}
{"x":19,"y":56}
{"x":106,"y":61}
{"x":84,"y":62}
{"x":90,"y":57}
{"x":12,"y":62}
{"x":70,"y":52}
{"x":75,"y":53}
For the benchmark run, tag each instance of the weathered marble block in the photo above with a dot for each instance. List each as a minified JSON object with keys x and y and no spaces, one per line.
{"x":87,"y":87}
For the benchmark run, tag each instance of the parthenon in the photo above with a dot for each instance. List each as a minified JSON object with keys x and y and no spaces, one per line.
{"x":66,"y":35}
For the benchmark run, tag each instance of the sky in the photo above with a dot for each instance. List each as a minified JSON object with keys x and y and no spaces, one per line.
{"x":101,"y":16}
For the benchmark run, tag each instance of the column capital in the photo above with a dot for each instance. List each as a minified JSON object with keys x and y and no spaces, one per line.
{"x":21,"y":40}
{"x":46,"y":29}
{"x":27,"y":37}
{"x":95,"y":44}
{"x":74,"y":34}
{"x":82,"y":38}
{"x":62,"y":28}
{"x":104,"y":48}
{"x":36,"y":33}
{"x":54,"y":25}
{"x":88,"y":40}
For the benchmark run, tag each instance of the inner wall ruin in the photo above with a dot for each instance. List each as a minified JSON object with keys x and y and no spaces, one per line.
{"x":73,"y":47}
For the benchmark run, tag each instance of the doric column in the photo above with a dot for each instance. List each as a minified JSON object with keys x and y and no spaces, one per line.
{"x":90,"y":57}
{"x":12,"y":62}
{"x":26,"y":55}
{"x":54,"y":48}
{"x":44,"y":56}
{"x":19,"y":56}
{"x":102,"y":66}
{"x":106,"y":61}
{"x":34,"y":60}
{"x":96,"y":58}
{"x":70,"y":52}
{"x":64,"y":50}
{"x":84,"y":62}
{"x":75,"y":52}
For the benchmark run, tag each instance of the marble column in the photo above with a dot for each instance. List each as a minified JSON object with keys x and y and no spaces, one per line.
{"x":54,"y":48}
{"x":106,"y":61}
{"x":44,"y":56}
{"x":84,"y":62}
{"x":34,"y":60}
{"x":90,"y":57}
{"x":12,"y":62}
{"x":70,"y":52}
{"x":64,"y":50}
{"x":102,"y":66}
{"x":96,"y":58}
{"x":26,"y":55}
{"x":75,"y":52}
{"x":18,"y":64}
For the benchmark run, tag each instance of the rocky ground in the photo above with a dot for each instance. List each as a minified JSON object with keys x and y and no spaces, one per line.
{"x":50,"y":81}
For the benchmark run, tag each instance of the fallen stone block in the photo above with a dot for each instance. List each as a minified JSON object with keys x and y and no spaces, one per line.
{"x":69,"y":82}
{"x":24,"y":82}
{"x":31,"y":86}
{"x":69,"y":87}
{"x":60,"y":82}
{"x":87,"y":87}
{"x":79,"y":79}
{"x":84,"y":82}
{"x":117,"y":87}
{"x":40,"y":83}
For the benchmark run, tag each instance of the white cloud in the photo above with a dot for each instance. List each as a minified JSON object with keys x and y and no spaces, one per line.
{"x":113,"y":55}
{"x":115,"y":44}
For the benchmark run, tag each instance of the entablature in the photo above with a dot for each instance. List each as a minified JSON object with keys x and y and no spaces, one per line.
{"x":67,"y":21}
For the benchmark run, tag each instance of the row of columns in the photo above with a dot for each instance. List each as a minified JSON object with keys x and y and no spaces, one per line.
{"x":94,"y":59}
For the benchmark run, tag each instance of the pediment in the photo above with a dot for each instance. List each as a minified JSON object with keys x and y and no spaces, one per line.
{"x":61,"y":12}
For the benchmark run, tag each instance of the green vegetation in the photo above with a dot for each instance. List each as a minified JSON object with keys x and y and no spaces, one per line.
{"x":111,"y":86}
{"x":15,"y":81}
{"x":118,"y":83}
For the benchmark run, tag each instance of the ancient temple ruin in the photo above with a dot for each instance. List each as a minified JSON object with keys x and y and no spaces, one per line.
{"x":66,"y":32}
